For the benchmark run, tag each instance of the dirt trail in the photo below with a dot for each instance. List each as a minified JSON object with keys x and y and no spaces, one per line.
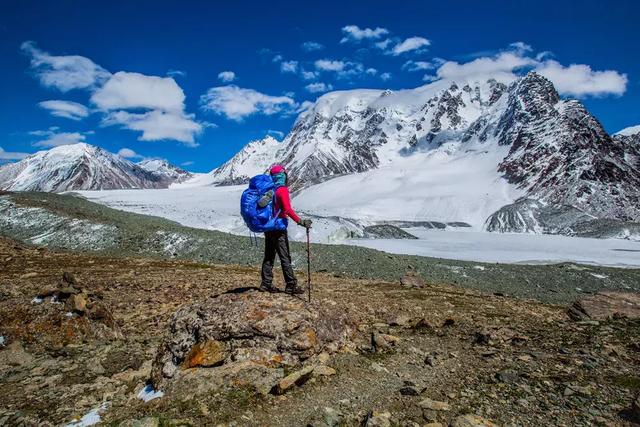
{"x":516,"y":362}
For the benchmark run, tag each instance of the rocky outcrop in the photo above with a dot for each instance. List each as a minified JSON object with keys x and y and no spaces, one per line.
{"x":246,"y":335}
{"x":606,"y":305}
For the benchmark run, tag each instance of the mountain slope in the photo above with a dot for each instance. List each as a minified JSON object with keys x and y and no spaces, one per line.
{"x":165,"y":170}
{"x":76,"y":167}
{"x":545,"y":149}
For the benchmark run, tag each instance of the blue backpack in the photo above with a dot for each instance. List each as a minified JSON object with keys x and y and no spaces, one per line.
{"x":260,"y":219}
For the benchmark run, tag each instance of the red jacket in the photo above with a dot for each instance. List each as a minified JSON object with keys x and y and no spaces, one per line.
{"x":282,"y":203}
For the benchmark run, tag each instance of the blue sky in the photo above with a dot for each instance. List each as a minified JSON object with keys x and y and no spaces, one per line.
{"x":193,"y":82}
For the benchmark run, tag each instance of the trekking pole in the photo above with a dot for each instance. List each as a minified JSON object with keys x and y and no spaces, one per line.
{"x":308,"y":264}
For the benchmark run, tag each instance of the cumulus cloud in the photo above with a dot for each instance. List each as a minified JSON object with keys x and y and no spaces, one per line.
{"x":11,"y":155}
{"x":227,"y":76}
{"x":289,"y":66}
{"x":575,"y":80}
{"x":521,"y":47}
{"x":160,"y":99}
{"x":343,"y":69}
{"x":503,"y":63}
{"x":128,"y":153}
{"x":384,"y":44}
{"x":311,"y":46}
{"x":355,"y":33}
{"x":157,"y":125}
{"x":318,"y":87}
{"x":67,"y":109}
{"x":409,"y":45}
{"x":329,"y":65}
{"x":371,"y":71}
{"x":580,"y":80}
{"x":418,"y":66}
{"x":125,"y":90}
{"x":64,"y":72}
{"x":53,"y":138}
{"x":236,"y":103}
{"x":309,"y":75}
{"x":385,"y":76}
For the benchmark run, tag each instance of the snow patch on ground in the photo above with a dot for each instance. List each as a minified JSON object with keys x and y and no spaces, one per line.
{"x":148,"y":393}
{"x":90,"y":418}
{"x":2,"y":340}
{"x":599,"y":276}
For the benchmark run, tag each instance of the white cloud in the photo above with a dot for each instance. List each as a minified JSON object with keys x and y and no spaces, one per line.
{"x":580,"y":80}
{"x":309,"y":75}
{"x":53,"y":138}
{"x":158,"y":125}
{"x":318,"y":87}
{"x":329,"y":65}
{"x":277,"y":58}
{"x":521,"y":47}
{"x":176,"y":73}
{"x":371,"y":71}
{"x":289,"y":66}
{"x":343,"y":69}
{"x":383,"y":44}
{"x":64,"y":72}
{"x":418,"y":65}
{"x":187,"y":163}
{"x":311,"y":46}
{"x":304,"y":106}
{"x":125,"y":90}
{"x":277,"y":133}
{"x":410,"y":44}
{"x":503,"y":63}
{"x":236,"y":103}
{"x":429,"y":78}
{"x":11,"y":155}
{"x":385,"y":76}
{"x":576,"y":79}
{"x":227,"y":76}
{"x":355,"y":33}
{"x":128,"y":153}
{"x":67,"y":109}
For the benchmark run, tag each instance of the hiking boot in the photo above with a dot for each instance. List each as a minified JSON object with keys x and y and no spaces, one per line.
{"x":294,"y":290}
{"x":268,"y":288}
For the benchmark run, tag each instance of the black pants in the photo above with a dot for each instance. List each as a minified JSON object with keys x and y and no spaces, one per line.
{"x":277,"y":242}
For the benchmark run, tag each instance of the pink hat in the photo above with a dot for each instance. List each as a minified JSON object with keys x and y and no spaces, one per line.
{"x":276,"y":169}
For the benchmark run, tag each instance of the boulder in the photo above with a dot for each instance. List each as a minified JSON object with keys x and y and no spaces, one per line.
{"x":606,"y":305}
{"x":262,"y":330}
{"x":411,"y":280}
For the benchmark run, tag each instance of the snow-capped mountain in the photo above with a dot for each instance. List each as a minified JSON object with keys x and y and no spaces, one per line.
{"x":76,"y":167}
{"x":165,"y":170}
{"x":538,"y":147}
{"x":358,"y":130}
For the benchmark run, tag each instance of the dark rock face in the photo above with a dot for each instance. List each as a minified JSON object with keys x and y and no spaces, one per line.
{"x":250,"y":327}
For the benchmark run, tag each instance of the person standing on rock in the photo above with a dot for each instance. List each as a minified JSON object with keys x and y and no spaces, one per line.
{"x":277,"y":241}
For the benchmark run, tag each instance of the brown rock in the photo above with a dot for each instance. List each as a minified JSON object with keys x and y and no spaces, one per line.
{"x":471,"y":420}
{"x":206,"y":354}
{"x":378,"y":419}
{"x":29,"y":275}
{"x":434,"y":405}
{"x":295,"y":378}
{"x":410,"y":280}
{"x":383,"y":342}
{"x":606,"y":305}
{"x":79,"y":303}
{"x":323,"y":371}
{"x":269,"y":329}
{"x":69,"y":278}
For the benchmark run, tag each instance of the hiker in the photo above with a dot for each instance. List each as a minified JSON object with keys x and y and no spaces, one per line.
{"x":277,"y":241}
